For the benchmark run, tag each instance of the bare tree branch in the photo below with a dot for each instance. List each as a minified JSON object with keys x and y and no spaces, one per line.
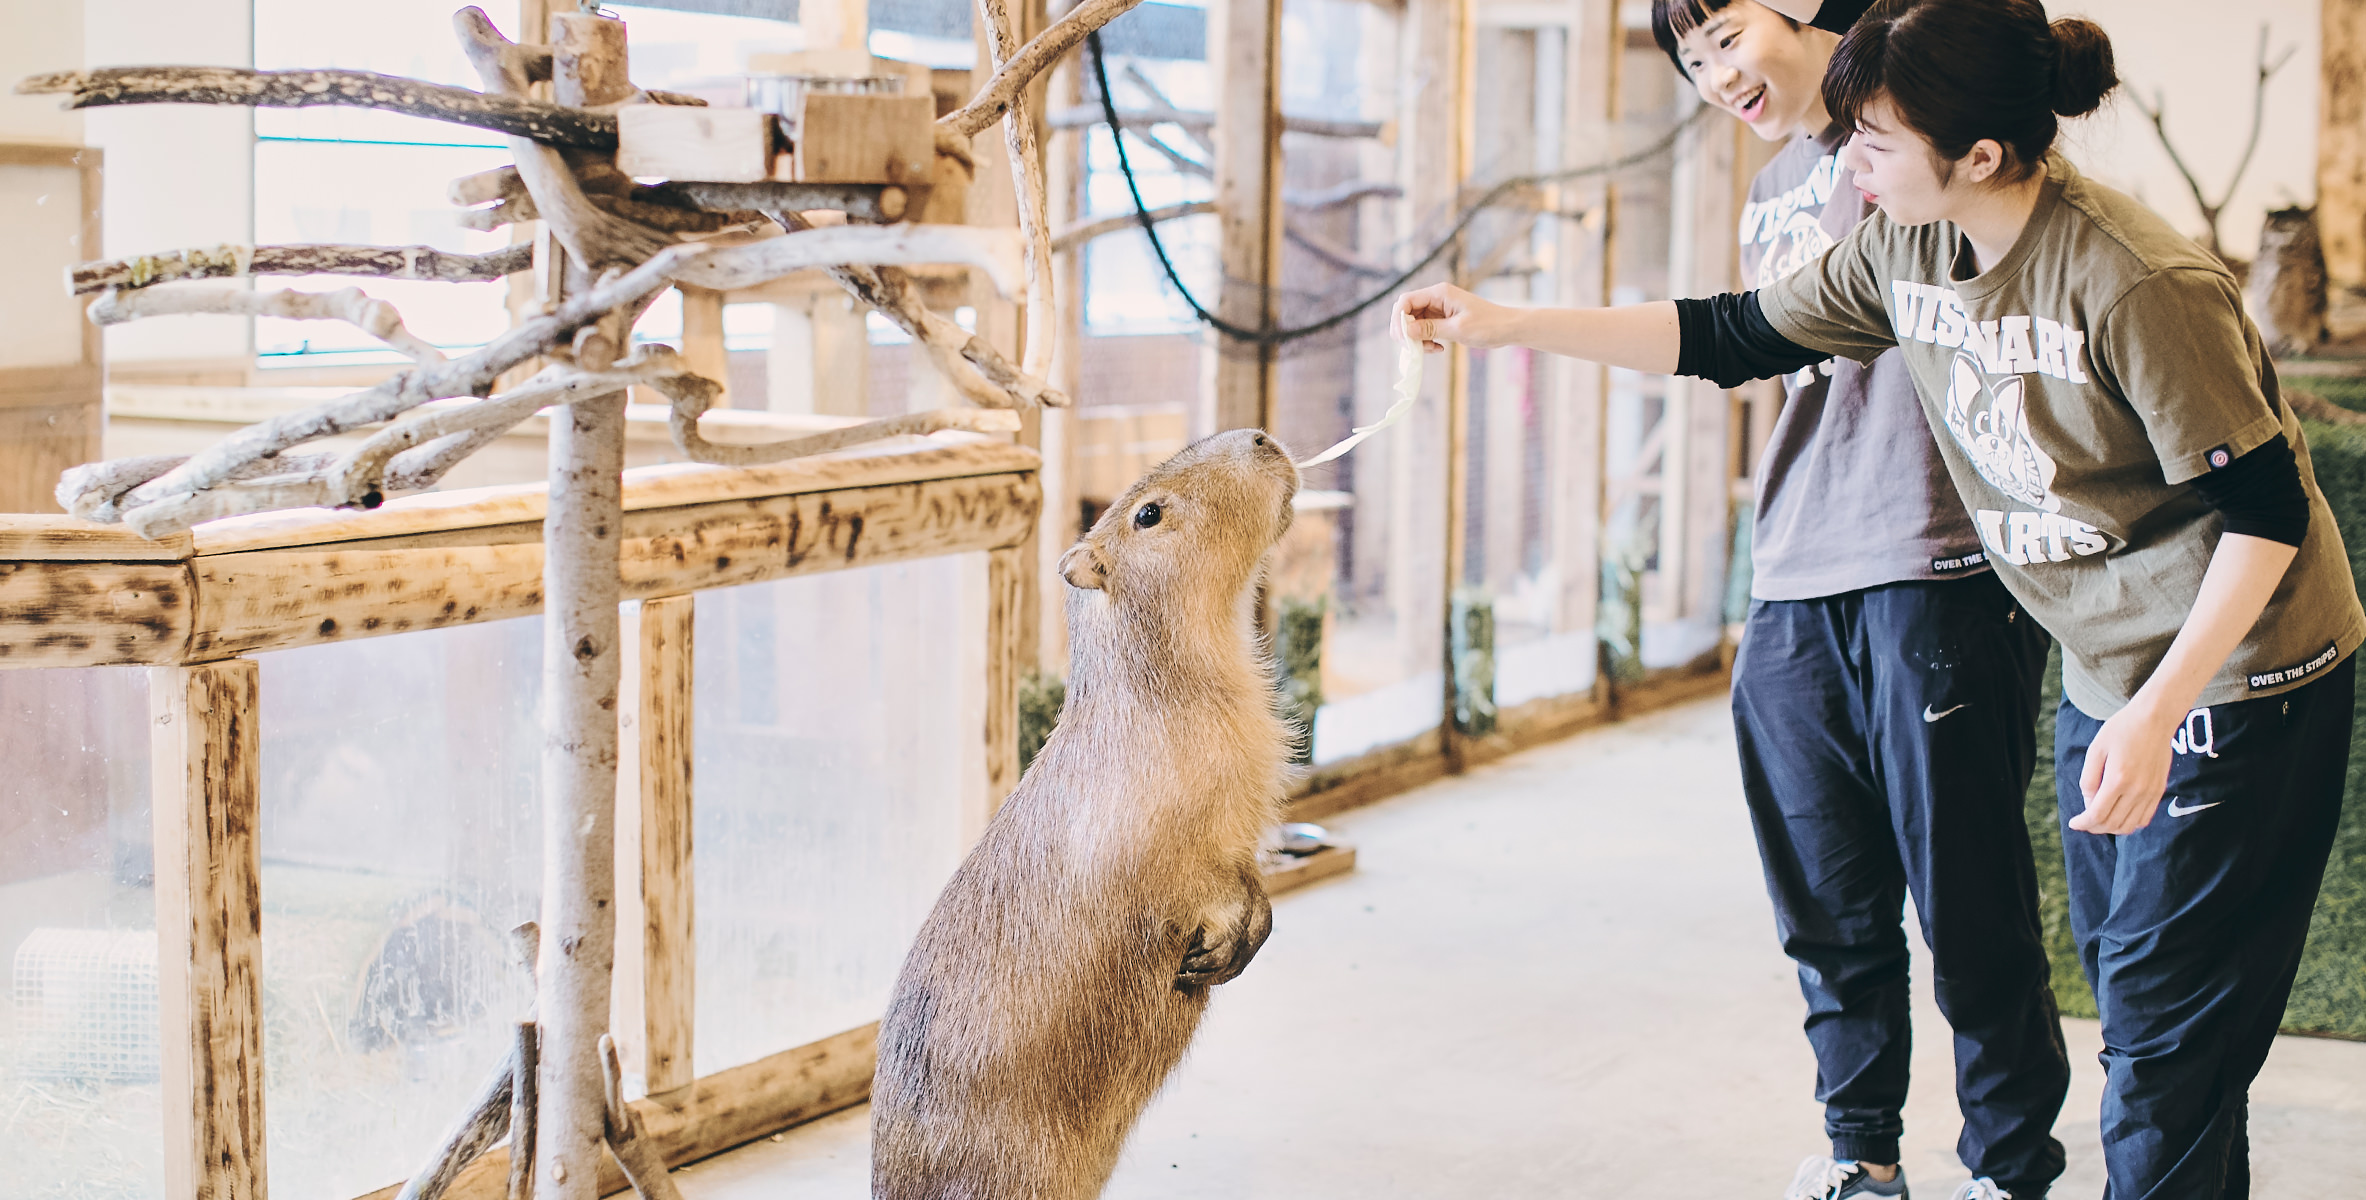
{"x":350,"y":305}
{"x":227,"y":262}
{"x":550,"y":124}
{"x":2157,"y":112}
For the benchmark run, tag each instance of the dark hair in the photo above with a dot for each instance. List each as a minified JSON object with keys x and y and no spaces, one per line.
{"x":1959,"y":71}
{"x":1672,"y":19}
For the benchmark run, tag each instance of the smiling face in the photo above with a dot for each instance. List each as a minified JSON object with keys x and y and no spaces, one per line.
{"x":1754,"y":63}
{"x":1898,"y":170}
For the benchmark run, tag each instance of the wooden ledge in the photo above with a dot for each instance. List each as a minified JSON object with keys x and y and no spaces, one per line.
{"x":77,"y":594}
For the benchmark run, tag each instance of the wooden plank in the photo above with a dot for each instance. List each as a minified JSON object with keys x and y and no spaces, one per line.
{"x":646,"y":489}
{"x":1244,"y":41}
{"x":273,"y":599}
{"x":71,"y":539}
{"x":1005,"y":614}
{"x":85,"y":614}
{"x":865,"y":139}
{"x":1291,"y":874}
{"x":2341,"y":143}
{"x":206,"y":746}
{"x":1574,"y":423}
{"x":715,"y":145}
{"x":669,"y":948}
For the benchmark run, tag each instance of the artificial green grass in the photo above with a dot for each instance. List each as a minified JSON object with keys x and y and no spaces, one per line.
{"x":2330,"y":995}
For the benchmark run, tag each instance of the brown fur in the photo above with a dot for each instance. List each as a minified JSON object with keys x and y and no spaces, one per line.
{"x":1067,"y":964}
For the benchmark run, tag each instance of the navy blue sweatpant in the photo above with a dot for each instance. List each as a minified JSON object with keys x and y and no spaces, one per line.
{"x":1887,"y":738}
{"x":2191,"y":927}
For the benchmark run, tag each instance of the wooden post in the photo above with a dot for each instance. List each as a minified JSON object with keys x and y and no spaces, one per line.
{"x":1004,"y":567}
{"x":52,"y":413}
{"x":1244,"y":47}
{"x":206,"y":747}
{"x":2341,"y":143}
{"x":669,"y":946}
{"x":1060,"y":522}
{"x":702,"y":337}
{"x":581,"y":535}
{"x":1576,"y":434}
{"x":835,"y":24}
{"x":1695,"y":500}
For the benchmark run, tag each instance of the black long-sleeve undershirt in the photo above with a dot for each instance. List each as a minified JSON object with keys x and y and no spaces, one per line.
{"x":2259,"y":494}
{"x":1728,"y":340}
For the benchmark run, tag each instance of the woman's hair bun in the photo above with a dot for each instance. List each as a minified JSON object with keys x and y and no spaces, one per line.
{"x":2084,"y":72}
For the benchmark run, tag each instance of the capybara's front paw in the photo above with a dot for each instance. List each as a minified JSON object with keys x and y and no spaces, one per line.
{"x":1227,"y":939}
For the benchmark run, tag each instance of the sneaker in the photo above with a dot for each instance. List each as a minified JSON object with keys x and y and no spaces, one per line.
{"x":1982,"y":1188}
{"x":1836,"y":1178}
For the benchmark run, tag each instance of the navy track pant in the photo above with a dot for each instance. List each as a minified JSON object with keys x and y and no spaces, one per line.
{"x":2191,"y":927}
{"x":1887,"y":738}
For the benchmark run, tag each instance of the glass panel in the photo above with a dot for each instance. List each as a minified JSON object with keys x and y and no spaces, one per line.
{"x":401,"y":840}
{"x":830,"y":775}
{"x":79,"y":1045}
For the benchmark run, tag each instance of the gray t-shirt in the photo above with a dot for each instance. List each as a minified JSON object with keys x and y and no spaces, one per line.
{"x":2075,"y":388}
{"x":1852,"y":493}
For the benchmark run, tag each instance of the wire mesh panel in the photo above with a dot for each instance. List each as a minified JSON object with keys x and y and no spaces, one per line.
{"x":401,"y":837}
{"x":79,"y":1032}
{"x":838,"y":735}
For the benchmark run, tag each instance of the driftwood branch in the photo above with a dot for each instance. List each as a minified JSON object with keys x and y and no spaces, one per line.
{"x":350,"y":305}
{"x":228,"y":262}
{"x":522,"y":1098}
{"x":644,"y":1167}
{"x":1026,"y":166}
{"x":1084,"y":231}
{"x":1199,"y":124}
{"x":1037,"y":56}
{"x":2157,"y":112}
{"x":712,"y":266}
{"x":487,"y":1121}
{"x":548,"y":124}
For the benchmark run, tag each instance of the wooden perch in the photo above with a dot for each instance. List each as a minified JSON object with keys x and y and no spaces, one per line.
{"x":713,"y":266}
{"x":227,"y":262}
{"x":548,"y":124}
{"x":644,"y":1166}
{"x":350,"y":305}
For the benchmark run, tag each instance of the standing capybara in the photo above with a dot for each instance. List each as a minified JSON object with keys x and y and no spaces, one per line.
{"x":1066,"y":966}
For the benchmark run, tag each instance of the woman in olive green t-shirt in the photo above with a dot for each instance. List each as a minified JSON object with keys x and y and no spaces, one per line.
{"x":2109,"y":416}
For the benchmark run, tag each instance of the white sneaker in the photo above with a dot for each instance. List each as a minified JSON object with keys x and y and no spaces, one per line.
{"x":1821,"y":1178}
{"x":1982,"y":1188}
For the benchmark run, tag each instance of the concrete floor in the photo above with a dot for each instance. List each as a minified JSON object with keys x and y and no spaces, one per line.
{"x":1554,"y":977}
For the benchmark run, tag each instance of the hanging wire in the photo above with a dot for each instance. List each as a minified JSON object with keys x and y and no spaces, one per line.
{"x":1266,"y":334}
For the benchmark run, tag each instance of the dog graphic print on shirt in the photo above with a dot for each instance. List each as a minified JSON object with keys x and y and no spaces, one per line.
{"x":1991,"y":422}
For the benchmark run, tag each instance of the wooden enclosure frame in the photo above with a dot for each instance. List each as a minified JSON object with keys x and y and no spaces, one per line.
{"x":193,"y":607}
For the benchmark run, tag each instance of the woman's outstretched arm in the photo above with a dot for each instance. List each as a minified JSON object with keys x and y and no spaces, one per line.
{"x":1642,"y":337}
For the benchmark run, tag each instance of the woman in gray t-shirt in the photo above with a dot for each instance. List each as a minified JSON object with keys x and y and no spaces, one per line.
{"x":2111,"y":420}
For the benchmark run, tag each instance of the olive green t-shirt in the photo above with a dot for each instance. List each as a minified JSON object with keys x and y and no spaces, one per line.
{"x":2074,"y":389}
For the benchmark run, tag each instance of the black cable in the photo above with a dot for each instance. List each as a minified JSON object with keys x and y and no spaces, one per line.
{"x":1271,"y":336}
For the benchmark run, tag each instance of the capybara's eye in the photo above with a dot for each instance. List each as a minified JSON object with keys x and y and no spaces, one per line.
{"x":1146,"y":516}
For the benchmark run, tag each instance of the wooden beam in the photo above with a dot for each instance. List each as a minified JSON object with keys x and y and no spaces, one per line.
{"x":2341,"y":143}
{"x":1244,"y":45}
{"x":206,"y":747}
{"x":702,"y":337}
{"x":1574,"y":423}
{"x":1703,"y":260}
{"x":669,"y":947}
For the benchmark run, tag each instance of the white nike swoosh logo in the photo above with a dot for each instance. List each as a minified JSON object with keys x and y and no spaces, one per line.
{"x":2176,"y":810}
{"x":1929,"y":717}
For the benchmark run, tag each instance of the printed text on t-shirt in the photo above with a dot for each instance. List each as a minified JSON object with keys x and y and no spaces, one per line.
{"x":2014,"y":345}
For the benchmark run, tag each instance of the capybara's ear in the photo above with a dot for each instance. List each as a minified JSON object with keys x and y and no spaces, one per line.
{"x":1083,"y":566}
